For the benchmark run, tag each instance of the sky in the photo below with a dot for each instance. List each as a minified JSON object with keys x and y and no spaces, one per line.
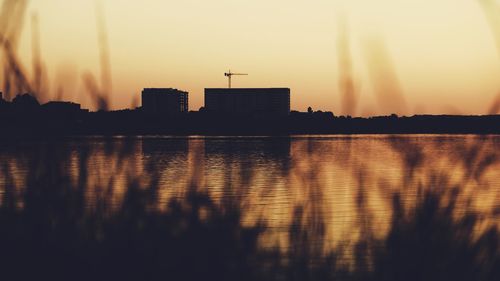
{"x":403,"y":56}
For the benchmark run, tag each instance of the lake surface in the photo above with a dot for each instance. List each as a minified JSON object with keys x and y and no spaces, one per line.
{"x":331,"y":191}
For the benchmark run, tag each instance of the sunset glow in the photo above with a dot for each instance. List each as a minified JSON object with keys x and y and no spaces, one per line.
{"x":443,"y":53}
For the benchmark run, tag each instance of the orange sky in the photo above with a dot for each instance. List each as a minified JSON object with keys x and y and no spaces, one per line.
{"x":440,"y":55}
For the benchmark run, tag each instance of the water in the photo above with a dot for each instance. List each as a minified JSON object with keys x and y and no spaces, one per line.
{"x":315,"y":195}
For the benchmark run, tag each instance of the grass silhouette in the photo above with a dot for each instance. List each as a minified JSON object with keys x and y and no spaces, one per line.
{"x":60,"y":221}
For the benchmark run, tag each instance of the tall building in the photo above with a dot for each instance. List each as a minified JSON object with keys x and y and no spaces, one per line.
{"x":248,"y":101}
{"x":164,"y":100}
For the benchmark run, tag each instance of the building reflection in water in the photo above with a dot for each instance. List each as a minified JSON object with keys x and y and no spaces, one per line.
{"x":317,"y":196}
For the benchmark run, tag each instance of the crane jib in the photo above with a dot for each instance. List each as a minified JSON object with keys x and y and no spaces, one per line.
{"x":229,"y":74}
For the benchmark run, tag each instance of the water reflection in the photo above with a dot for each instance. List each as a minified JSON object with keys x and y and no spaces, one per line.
{"x":301,"y":207}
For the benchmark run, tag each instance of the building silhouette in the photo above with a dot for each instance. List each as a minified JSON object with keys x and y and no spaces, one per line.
{"x":248,"y":101}
{"x":62,"y":108}
{"x":164,"y":101}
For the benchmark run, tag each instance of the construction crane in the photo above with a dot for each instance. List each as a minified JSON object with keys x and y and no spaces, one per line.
{"x":229,"y":74}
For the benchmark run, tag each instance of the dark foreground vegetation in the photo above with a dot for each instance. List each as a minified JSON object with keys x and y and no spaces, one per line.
{"x":57,"y":224}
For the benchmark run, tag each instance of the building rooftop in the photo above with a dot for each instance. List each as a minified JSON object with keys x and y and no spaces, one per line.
{"x":250,"y":89}
{"x":162,"y":90}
